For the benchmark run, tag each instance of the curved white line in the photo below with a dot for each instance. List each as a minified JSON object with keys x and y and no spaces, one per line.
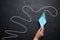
{"x":7,"y":31}
{"x":11,"y":19}
{"x":44,"y":10}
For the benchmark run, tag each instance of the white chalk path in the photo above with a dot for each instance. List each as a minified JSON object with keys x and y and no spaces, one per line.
{"x":11,"y":19}
{"x":42,"y":9}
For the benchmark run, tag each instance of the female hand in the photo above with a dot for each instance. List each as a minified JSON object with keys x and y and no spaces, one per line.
{"x":39,"y":34}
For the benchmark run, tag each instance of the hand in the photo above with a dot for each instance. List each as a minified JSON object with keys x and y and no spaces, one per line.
{"x":39,"y":34}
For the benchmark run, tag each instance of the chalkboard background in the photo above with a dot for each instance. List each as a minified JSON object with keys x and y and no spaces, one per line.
{"x":15,"y":31}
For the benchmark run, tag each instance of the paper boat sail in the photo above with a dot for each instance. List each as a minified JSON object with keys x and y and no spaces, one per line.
{"x":42,"y":19}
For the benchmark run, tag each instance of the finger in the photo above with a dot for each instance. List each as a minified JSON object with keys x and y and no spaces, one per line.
{"x":42,"y":30}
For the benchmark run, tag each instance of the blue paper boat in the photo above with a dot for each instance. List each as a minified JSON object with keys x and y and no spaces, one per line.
{"x":42,"y":19}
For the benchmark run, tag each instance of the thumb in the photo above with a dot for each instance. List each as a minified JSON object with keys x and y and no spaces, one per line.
{"x":42,"y":31}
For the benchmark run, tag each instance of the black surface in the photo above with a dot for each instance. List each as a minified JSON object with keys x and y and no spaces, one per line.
{"x":9,"y":8}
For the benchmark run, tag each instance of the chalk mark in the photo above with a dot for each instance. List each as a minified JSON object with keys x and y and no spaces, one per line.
{"x":42,"y":9}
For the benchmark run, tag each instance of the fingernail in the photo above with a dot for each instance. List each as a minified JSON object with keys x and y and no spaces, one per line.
{"x":42,"y":34}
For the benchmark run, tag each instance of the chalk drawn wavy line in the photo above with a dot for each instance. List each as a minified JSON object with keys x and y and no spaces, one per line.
{"x":18,"y":24}
{"x":11,"y":19}
{"x":42,"y":9}
{"x":7,"y":31}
